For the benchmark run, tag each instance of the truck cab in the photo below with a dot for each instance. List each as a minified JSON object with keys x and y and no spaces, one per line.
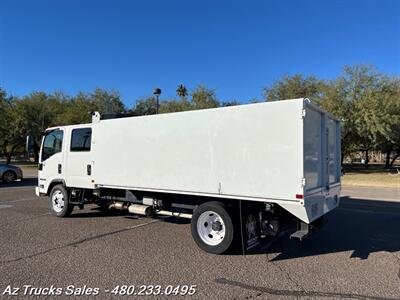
{"x":65,"y":158}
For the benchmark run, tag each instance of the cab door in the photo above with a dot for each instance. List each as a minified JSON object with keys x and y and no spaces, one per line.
{"x":51,"y":159}
{"x":79,"y":158}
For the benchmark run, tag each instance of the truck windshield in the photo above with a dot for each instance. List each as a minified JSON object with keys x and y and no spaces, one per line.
{"x":52,"y":143}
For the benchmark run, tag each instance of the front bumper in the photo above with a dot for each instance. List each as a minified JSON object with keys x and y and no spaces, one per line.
{"x":37,"y":191}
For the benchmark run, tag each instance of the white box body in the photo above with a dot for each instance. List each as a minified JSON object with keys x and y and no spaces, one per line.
{"x":272,"y":152}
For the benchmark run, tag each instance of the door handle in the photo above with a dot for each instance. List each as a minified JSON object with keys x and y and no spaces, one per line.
{"x":89,"y":169}
{"x":59,"y":169}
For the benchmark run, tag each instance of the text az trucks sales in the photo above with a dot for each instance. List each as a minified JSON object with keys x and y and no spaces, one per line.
{"x":30,"y":290}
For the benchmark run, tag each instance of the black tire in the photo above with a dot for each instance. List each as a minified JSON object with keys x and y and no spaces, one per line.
{"x":220,"y":209}
{"x":9,"y":176}
{"x":66,"y":209}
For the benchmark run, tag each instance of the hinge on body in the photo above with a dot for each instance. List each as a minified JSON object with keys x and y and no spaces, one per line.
{"x":303,"y":182}
{"x":303,"y":113}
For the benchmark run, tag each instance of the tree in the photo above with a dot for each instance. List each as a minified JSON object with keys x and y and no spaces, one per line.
{"x":361,"y":87}
{"x":10,"y":133}
{"x":35,"y":113}
{"x":107,"y":102}
{"x":78,"y":109}
{"x":145,"y":106}
{"x":32,"y":114}
{"x":175,"y":105}
{"x":4,"y":106}
{"x":386,"y":119}
{"x":296,"y":86}
{"x":181,"y":91}
{"x":203,"y":97}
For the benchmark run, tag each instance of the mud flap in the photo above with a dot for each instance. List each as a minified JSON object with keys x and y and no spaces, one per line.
{"x":250,"y":228}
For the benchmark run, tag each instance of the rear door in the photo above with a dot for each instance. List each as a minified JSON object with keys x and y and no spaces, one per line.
{"x":79,"y":158}
{"x":333,"y":164}
{"x":314,"y":139}
{"x":321,"y":149}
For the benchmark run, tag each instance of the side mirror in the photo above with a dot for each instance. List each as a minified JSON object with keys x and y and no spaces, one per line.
{"x":29,"y":144}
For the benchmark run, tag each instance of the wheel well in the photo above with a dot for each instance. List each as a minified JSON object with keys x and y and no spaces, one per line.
{"x":54,"y":183}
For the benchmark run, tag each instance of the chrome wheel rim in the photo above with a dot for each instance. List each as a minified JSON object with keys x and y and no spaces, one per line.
{"x":211,"y":228}
{"x":58,"y":201}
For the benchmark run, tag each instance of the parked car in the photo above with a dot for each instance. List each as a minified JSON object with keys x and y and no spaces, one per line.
{"x":10,"y":173}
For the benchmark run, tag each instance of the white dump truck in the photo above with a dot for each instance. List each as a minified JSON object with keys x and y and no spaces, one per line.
{"x":238,"y":172}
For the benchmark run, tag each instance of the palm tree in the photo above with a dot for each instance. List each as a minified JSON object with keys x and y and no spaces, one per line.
{"x":181,"y":91}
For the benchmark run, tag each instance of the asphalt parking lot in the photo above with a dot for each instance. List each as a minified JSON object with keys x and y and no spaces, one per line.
{"x":355,"y":256}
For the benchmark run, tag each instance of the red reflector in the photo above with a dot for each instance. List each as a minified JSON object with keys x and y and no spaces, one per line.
{"x":299,"y":196}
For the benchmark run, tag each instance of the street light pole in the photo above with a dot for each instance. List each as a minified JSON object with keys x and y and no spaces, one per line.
{"x":157,"y":105}
{"x":157,"y":93}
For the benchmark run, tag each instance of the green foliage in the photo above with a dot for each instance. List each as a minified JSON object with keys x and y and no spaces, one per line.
{"x":10,"y":131}
{"x":107,"y":102}
{"x":292,"y":87}
{"x":175,"y":105}
{"x":203,"y":97}
{"x":145,"y":106}
{"x":78,"y":109}
{"x":32,"y":114}
{"x":4,"y":114}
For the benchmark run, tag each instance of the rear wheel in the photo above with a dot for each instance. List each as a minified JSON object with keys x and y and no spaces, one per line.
{"x":59,"y":202}
{"x":9,"y":176}
{"x":212,"y":227}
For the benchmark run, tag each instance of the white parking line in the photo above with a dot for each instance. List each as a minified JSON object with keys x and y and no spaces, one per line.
{"x":366,"y":211}
{"x":5,"y":206}
{"x":26,"y":199}
{"x":371,"y":198}
{"x":12,"y":189}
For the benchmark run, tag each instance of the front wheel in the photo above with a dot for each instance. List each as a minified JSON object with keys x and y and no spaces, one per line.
{"x":59,"y":202}
{"x":212,"y":227}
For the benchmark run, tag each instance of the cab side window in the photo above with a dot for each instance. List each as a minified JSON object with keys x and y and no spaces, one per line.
{"x":81,"y":139}
{"x":52,"y":143}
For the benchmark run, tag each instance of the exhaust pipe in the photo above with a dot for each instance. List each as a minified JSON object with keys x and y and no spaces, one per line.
{"x":174,"y":214}
{"x":139,"y":209}
{"x":117,"y":205}
{"x":146,"y":210}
